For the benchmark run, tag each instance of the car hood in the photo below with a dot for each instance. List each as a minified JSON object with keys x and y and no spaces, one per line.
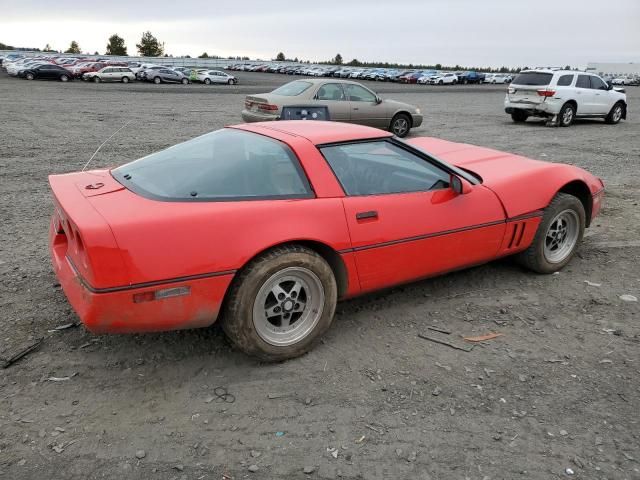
{"x":522,"y":184}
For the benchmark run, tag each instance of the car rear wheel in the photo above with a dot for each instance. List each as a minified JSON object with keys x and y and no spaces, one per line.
{"x":231,"y":82}
{"x":566,"y":115}
{"x":281,"y":303}
{"x":207,"y":81}
{"x":125,"y":79}
{"x":519,"y":116}
{"x":157,"y":80}
{"x":400,"y":125}
{"x":558,"y":235}
{"x":615,"y":115}
{"x":29,"y":76}
{"x":185,"y":81}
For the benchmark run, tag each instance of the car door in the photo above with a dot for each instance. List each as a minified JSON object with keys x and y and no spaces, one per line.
{"x":404,"y":219}
{"x":585,"y":95}
{"x":602,"y":100}
{"x":46,"y":71}
{"x":332,"y":95}
{"x":365,"y":107}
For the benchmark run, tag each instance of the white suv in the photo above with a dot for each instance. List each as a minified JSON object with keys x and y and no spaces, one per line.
{"x":563,"y":95}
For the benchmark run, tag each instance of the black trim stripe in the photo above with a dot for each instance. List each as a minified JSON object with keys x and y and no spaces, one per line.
{"x":135,"y":286}
{"x":537,"y":213}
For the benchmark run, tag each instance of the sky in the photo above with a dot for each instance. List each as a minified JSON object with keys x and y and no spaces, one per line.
{"x":466,"y":32}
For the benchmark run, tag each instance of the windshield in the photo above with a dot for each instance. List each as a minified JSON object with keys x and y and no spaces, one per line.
{"x":226,"y":164}
{"x":293,"y":88}
{"x":533,"y":78}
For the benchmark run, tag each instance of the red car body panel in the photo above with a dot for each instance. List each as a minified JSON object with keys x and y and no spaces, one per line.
{"x":121,"y":257}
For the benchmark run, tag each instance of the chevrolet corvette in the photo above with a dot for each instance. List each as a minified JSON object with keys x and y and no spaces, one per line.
{"x":265,"y":226}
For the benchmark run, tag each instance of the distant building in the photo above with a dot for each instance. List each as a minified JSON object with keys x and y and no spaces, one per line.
{"x":614,"y":69}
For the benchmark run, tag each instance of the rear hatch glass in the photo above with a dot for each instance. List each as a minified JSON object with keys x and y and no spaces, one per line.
{"x":537,"y":79}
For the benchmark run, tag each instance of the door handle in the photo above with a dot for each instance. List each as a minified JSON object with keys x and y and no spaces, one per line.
{"x":366,"y":215}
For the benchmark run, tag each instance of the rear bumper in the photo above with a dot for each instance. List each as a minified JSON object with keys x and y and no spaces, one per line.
{"x":249,"y":117}
{"x":547,"y":108}
{"x":113,"y":310}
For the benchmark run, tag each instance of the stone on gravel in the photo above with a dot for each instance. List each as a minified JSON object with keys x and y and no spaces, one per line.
{"x":628,"y":298}
{"x":253,"y":468}
{"x":309,"y":469}
{"x":140,"y":454}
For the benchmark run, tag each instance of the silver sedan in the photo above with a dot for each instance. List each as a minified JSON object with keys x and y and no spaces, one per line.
{"x":347,"y":102}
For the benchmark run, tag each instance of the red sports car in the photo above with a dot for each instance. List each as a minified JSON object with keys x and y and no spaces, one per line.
{"x":267,"y":225}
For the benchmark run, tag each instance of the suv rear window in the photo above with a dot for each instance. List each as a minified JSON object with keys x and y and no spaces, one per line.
{"x":223,"y":165}
{"x":533,"y":78}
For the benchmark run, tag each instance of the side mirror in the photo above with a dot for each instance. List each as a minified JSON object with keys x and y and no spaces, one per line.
{"x":458,"y":185}
{"x":378,"y":100}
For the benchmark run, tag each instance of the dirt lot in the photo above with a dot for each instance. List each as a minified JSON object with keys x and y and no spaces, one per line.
{"x":560,"y":390}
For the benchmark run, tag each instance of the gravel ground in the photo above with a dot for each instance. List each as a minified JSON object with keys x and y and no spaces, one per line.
{"x":559,"y":390}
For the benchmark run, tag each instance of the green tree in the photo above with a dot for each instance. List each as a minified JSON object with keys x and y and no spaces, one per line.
{"x":337,"y":60}
{"x":280,"y":57}
{"x":116,"y":45}
{"x":204,"y":55}
{"x":73,"y":48}
{"x":47,"y":48}
{"x":438,"y":66}
{"x":149,"y":46}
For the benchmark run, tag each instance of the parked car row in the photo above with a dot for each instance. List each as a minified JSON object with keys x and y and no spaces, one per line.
{"x":432,"y":77}
{"x":105,"y":70}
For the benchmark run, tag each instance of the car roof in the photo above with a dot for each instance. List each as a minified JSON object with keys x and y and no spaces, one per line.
{"x":317,"y":132}
{"x":558,"y":71}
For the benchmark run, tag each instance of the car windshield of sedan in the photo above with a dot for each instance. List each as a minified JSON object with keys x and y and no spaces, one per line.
{"x":223,"y":165}
{"x":292,"y":89}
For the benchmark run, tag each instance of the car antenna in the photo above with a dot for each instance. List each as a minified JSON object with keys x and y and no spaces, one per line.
{"x":103,"y":144}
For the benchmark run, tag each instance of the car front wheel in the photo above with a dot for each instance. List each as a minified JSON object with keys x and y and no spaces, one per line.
{"x":615,"y":115}
{"x":125,"y":79}
{"x":157,"y":80}
{"x":185,"y":81}
{"x":64,"y":78}
{"x":281,"y":303}
{"x":558,"y":235}
{"x":207,"y":81}
{"x":400,"y":125}
{"x":29,"y":76}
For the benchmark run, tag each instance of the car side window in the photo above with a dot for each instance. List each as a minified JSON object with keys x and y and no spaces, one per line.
{"x":356,"y":93}
{"x":565,"y":80}
{"x":583,"y":81}
{"x":330,"y":91}
{"x":598,"y":84}
{"x":380,"y":167}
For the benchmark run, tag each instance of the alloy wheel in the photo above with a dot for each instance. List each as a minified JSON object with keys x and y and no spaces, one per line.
{"x":288,"y":306}
{"x":561,"y":236}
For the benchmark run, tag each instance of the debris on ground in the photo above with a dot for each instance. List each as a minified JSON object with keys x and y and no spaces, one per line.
{"x":140,"y":454}
{"x":628,"y":298}
{"x":464,"y":348}
{"x":482,"y":338}
{"x":253,"y":468}
{"x":309,"y":469}
{"x":63,"y":327}
{"x":23,"y":352}
{"x":439,"y":329}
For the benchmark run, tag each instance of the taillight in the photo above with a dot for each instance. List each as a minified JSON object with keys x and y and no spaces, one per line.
{"x":543,"y":92}
{"x":267,"y":107}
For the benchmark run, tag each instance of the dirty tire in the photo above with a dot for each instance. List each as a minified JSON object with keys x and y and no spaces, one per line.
{"x":157,"y":80}
{"x":184,"y":81}
{"x":567,"y":115}
{"x":238,"y":315}
{"x":519,"y":116}
{"x":29,"y":76}
{"x":207,"y":81}
{"x":400,"y":125}
{"x":534,"y":257}
{"x":615,"y":115}
{"x":125,"y":80}
{"x":64,"y":78}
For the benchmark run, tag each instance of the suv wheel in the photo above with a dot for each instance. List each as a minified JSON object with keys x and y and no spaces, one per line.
{"x":519,"y":116}
{"x":566,"y":115}
{"x":615,"y":115}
